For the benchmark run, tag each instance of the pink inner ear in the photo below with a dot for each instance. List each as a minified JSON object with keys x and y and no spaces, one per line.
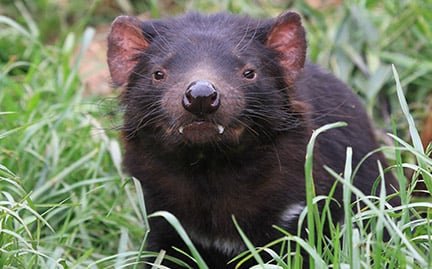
{"x":288,"y":38}
{"x":125,"y":42}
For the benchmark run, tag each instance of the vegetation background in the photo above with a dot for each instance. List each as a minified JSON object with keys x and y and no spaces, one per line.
{"x":64,"y":201}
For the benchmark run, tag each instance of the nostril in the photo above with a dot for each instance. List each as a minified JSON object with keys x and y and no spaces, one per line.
{"x":214,"y":99}
{"x":201,"y":98}
{"x":188,"y":98}
{"x":214,"y":96}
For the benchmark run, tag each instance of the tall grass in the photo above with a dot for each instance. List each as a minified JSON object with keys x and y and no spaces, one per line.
{"x":64,"y":202}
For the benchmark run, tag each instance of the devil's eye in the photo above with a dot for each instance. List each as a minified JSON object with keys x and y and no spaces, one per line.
{"x":249,"y":74}
{"x":158,"y":75}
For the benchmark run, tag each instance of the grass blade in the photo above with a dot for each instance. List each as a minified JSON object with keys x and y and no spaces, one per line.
{"x":249,"y":244}
{"x":312,"y":211}
{"x":172,"y":220}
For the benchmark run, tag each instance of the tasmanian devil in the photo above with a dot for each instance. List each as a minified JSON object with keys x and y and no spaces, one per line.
{"x":218,"y":111}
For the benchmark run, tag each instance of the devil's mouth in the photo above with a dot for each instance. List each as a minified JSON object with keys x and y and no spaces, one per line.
{"x":202,"y":125}
{"x":201,"y":131}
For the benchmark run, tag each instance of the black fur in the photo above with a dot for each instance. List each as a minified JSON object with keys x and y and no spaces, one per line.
{"x":255,"y":169}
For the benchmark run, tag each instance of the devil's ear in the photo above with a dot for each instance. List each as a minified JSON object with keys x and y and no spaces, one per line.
{"x":287,"y":36}
{"x":125,"y":41}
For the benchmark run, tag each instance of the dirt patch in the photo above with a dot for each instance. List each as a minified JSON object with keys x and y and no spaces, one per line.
{"x":93,"y":69}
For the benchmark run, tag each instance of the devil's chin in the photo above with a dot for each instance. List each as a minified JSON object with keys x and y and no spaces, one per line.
{"x":201,"y":132}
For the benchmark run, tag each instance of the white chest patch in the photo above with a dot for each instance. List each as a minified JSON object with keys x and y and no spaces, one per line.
{"x":225,"y":245}
{"x":292,"y":212}
{"x":233,"y":247}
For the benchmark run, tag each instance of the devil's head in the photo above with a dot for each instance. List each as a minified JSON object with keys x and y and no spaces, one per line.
{"x":207,"y":79}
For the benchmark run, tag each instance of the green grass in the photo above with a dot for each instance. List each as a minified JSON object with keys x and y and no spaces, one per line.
{"x":65,"y":203}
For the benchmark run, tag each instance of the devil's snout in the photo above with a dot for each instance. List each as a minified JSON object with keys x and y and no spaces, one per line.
{"x":201,"y":98}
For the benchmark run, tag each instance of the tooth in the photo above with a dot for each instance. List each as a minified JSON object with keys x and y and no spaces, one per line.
{"x":181,"y":129}
{"x":221,"y":129}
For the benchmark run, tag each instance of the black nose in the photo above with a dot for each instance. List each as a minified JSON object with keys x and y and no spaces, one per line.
{"x":201,"y":98}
